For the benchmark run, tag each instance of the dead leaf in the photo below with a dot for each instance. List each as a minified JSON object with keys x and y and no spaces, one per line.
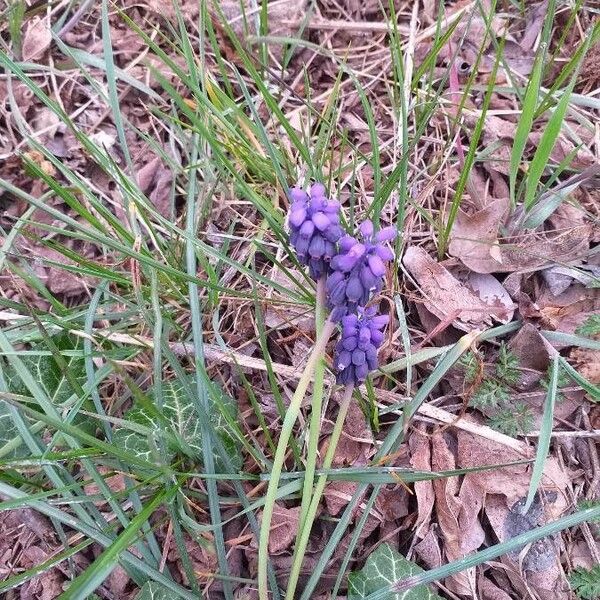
{"x":392,"y":502}
{"x":490,"y":591}
{"x":533,"y":24}
{"x":445,"y":296}
{"x":540,"y":562}
{"x":429,"y":551}
{"x":492,"y":293}
{"x":355,"y":441}
{"x":519,"y":61}
{"x":115,"y":482}
{"x":118,"y":580}
{"x":60,"y":281}
{"x":420,"y":459}
{"x":284,"y":526}
{"x":559,"y":278}
{"x":442,"y":336}
{"x":36,"y":39}
{"x":581,"y":555}
{"x":337,"y":494}
{"x":40,"y":160}
{"x":541,"y":555}
{"x":457,"y":508}
{"x":203,"y":558}
{"x":568,"y":311}
{"x":563,"y":147}
{"x":155,"y":180}
{"x":475,"y":240}
{"x":530,"y":348}
{"x":475,"y":237}
{"x":587,"y":362}
{"x":512,"y":481}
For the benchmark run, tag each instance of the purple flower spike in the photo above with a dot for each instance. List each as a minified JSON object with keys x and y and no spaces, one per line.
{"x":358,"y":269}
{"x":314,"y":224}
{"x":356,"y":352}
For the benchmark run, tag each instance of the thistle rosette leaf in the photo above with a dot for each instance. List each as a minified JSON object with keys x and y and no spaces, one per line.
{"x":356,"y":352}
{"x":358,"y":270}
{"x":314,"y":222}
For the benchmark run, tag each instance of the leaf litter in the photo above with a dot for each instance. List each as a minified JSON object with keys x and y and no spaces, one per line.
{"x":498,"y":271}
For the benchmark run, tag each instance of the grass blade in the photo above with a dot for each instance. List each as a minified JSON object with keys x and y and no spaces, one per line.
{"x":545,"y":433}
{"x":550,"y":136}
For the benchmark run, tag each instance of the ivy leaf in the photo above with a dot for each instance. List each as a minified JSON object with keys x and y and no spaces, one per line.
{"x":180,"y":425}
{"x":384,"y":567}
{"x":48,"y":373}
{"x":152,"y":590}
{"x":9,"y":431}
{"x":136,"y":443}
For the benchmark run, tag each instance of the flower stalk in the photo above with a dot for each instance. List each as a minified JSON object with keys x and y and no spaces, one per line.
{"x":316,"y":407}
{"x":286,"y":431}
{"x":304,"y":532}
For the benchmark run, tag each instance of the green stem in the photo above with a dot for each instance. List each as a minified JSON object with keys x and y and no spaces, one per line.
{"x":286,"y":431}
{"x":316,"y":405}
{"x":302,"y":542}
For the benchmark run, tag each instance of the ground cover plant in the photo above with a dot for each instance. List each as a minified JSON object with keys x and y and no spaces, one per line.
{"x":299,"y":300}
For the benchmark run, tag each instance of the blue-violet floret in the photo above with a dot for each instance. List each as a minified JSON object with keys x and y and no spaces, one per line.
{"x":314,"y":222}
{"x":357,"y":271}
{"x":356,"y":352}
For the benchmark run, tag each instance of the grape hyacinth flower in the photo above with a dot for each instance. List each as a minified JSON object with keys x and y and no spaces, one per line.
{"x":358,"y":269}
{"x":314,"y":222}
{"x":356,"y":352}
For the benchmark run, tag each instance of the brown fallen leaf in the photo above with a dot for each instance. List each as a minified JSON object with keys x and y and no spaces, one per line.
{"x":475,"y":237}
{"x":512,"y":482}
{"x":587,"y":362}
{"x":457,"y":507}
{"x":519,"y":61}
{"x":60,"y":281}
{"x":284,"y":526}
{"x":115,"y":482}
{"x":490,"y":591}
{"x":476,"y":243}
{"x":117,"y":580}
{"x":155,"y":180}
{"x":420,"y":459}
{"x":429,"y":551}
{"x":492,"y":293}
{"x":202,"y":557}
{"x":337,"y":494}
{"x":445,"y":296}
{"x":563,"y":147}
{"x":530,"y":348}
{"x":581,"y":555}
{"x":392,"y":502}
{"x":36,"y":39}
{"x":540,"y":562}
{"x":355,"y":441}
